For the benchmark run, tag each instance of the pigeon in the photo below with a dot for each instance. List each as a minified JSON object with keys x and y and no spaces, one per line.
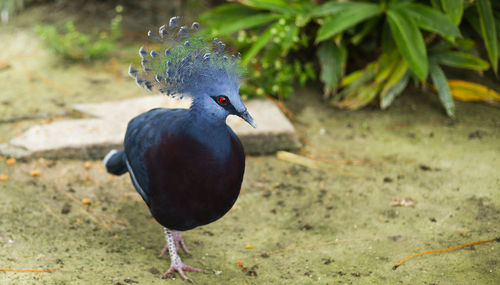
{"x":187,"y":164}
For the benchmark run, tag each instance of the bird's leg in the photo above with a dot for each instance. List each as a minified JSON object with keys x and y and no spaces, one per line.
{"x":179,"y":242}
{"x":176,"y":262}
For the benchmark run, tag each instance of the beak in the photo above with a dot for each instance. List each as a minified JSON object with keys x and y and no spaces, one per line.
{"x":246,"y":116}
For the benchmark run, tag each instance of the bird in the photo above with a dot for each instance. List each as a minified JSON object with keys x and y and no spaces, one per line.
{"x":186,"y":164}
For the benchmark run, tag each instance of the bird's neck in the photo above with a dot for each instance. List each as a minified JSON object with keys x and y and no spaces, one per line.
{"x":209,"y":128}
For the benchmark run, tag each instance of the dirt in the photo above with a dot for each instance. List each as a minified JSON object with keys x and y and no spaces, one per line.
{"x":291,"y":224}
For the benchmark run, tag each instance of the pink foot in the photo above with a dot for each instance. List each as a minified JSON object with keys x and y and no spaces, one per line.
{"x":174,"y":240}
{"x":179,"y":242}
{"x":180,"y":267}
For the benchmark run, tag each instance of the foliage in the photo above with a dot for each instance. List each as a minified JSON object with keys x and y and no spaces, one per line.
{"x":12,"y":6}
{"x":398,"y":41}
{"x":75,"y":45}
{"x":271,"y":71}
{"x":468,"y":91}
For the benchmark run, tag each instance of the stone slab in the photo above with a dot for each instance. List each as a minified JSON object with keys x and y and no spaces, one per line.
{"x":94,"y":137}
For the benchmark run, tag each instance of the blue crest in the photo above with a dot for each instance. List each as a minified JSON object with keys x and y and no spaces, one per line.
{"x":186,"y":63}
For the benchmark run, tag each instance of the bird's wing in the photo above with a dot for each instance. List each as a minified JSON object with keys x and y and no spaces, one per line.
{"x":142,"y":132}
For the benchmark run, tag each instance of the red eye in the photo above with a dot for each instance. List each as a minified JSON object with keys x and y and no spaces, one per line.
{"x":223,"y":100}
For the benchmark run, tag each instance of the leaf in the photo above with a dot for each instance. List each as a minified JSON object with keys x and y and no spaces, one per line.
{"x":330,"y":8}
{"x":436,"y":4}
{"x":400,"y":68}
{"x":247,"y":22}
{"x":227,"y":13}
{"x":439,"y":79}
{"x":387,"y":39}
{"x":488,"y":31}
{"x":280,"y":6}
{"x":302,"y":19}
{"x":388,"y":95}
{"x":289,"y":38}
{"x":390,"y":70}
{"x":367,"y":28}
{"x":469,"y":91}
{"x":439,"y":47}
{"x":360,"y":97}
{"x":497,"y":22}
{"x":332,"y":60}
{"x":454,"y":9}
{"x":347,"y":17}
{"x":385,"y":66}
{"x":461,"y":60}
{"x":466,"y":45}
{"x":432,"y":20}
{"x":409,"y":41}
{"x":262,"y":40}
{"x":358,"y":77}
{"x":352,"y":84}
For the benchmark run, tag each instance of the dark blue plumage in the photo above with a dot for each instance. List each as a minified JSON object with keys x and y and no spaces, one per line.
{"x":187,"y":164}
{"x":190,"y":173}
{"x":115,"y":162}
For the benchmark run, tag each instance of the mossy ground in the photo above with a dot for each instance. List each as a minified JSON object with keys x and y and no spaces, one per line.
{"x":450,"y":168}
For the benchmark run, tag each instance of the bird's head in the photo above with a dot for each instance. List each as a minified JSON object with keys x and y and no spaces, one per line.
{"x":190,"y":64}
{"x":224,"y":99}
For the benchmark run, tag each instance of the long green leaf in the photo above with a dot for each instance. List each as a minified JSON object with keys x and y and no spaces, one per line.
{"x":436,"y":4}
{"x":360,"y":96}
{"x":280,"y":6}
{"x":289,"y":38}
{"x":461,"y":60}
{"x":398,"y":71}
{"x":466,"y":45}
{"x":262,"y":40}
{"x":353,"y":83}
{"x":439,"y":79}
{"x":454,"y":9}
{"x":432,"y":20}
{"x":439,"y":47}
{"x":247,"y":22}
{"x":386,"y":64}
{"x":227,"y":13}
{"x":359,"y":77}
{"x":488,"y":31}
{"x":409,"y":41}
{"x":388,"y":45}
{"x":497,"y":22}
{"x":347,"y":17}
{"x":332,"y":61}
{"x":388,"y":95}
{"x":330,"y":8}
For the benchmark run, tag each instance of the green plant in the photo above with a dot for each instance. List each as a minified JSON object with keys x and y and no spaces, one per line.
{"x":75,"y":45}
{"x":12,"y":6}
{"x":399,"y":41}
{"x":266,"y":39}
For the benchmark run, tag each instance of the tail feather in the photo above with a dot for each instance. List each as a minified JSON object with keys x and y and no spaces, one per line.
{"x":115,"y":162}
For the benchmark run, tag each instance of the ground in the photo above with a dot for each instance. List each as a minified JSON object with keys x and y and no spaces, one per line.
{"x":370,"y":158}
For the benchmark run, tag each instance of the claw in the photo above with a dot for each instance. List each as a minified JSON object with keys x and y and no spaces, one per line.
{"x":174,"y":241}
{"x":180,"y":268}
{"x":163,"y":251}
{"x":183,"y":246}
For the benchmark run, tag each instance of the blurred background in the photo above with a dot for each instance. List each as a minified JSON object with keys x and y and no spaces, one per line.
{"x":396,"y":104}
{"x":357,"y":53}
